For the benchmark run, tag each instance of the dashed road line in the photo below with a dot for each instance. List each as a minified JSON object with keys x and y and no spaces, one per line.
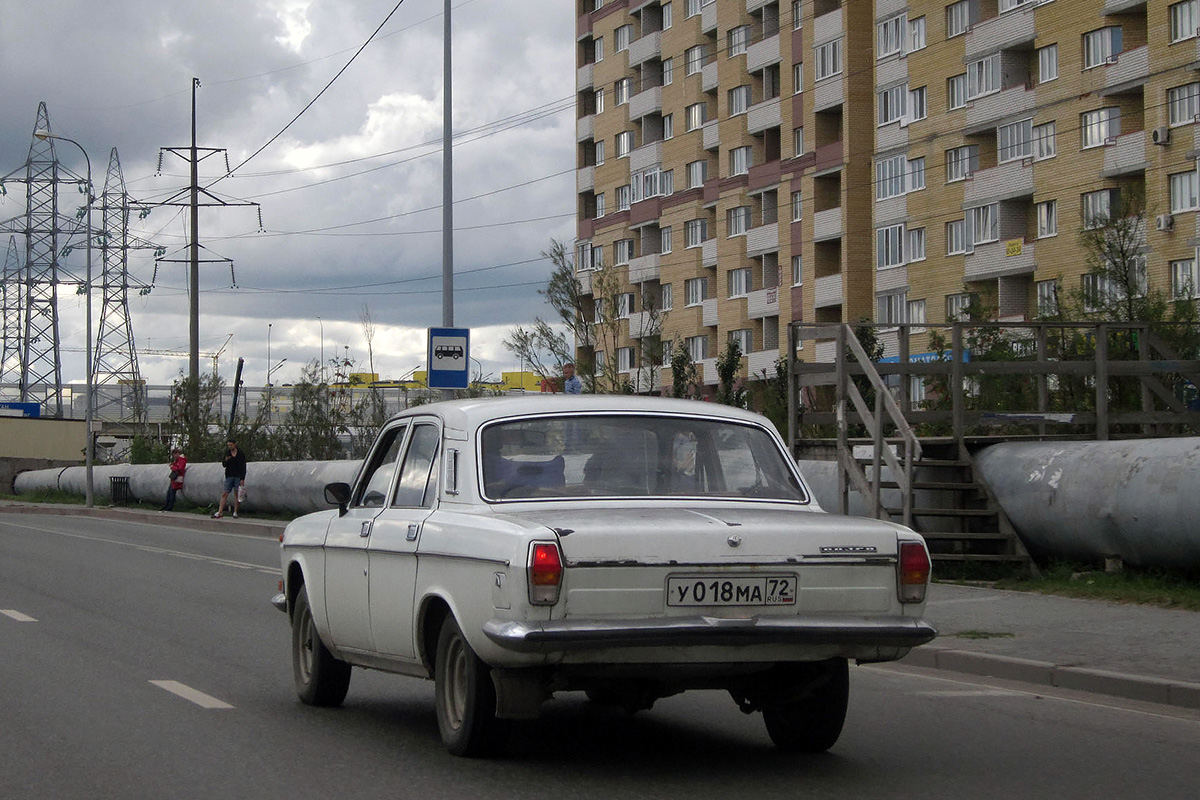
{"x":16,"y":615}
{"x":192,"y":695}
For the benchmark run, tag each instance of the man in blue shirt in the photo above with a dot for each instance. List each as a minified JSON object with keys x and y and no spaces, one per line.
{"x":571,"y":382}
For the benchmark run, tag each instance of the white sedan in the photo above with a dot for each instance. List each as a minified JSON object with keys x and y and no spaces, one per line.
{"x":630,"y":548}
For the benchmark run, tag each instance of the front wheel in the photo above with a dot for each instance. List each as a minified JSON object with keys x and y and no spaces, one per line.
{"x":811,"y":723}
{"x":466,"y":698}
{"x":321,"y":679}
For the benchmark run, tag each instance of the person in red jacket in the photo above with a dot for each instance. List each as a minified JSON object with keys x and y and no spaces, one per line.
{"x":178,"y":467}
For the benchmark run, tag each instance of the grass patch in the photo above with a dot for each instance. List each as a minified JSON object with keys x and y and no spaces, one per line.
{"x":1146,"y":587}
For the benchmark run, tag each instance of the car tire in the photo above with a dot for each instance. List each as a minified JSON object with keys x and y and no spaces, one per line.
{"x":466,"y":698}
{"x":321,"y":679}
{"x":812,"y":724}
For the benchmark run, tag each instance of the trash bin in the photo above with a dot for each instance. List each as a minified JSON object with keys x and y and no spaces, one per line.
{"x":120,"y":490}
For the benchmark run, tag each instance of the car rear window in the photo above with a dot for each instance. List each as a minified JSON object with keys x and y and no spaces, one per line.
{"x":633,"y":456}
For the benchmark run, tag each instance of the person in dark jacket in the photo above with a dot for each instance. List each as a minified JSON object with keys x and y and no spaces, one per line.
{"x":235,"y":477}
{"x":178,"y":467}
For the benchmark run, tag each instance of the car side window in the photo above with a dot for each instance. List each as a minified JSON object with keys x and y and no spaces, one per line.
{"x":377,"y":479}
{"x":417,"y":485}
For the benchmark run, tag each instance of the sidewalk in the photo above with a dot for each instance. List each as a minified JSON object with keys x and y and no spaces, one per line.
{"x":1128,"y":651}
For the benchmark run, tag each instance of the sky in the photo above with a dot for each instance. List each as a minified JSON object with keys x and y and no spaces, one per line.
{"x":350,"y":193}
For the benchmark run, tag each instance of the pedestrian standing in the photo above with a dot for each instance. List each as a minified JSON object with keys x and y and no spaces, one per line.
{"x":571,"y":382}
{"x":235,"y":478}
{"x":175,"y":482}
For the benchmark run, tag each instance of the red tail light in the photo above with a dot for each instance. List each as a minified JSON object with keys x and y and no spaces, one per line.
{"x":914,"y":572}
{"x":545,"y":573}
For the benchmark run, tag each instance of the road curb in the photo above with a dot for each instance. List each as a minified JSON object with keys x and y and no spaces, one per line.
{"x":1043,"y":673}
{"x":251,"y":527}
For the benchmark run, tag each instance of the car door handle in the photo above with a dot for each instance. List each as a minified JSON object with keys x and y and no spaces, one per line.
{"x":413,"y":530}
{"x":365,"y":530}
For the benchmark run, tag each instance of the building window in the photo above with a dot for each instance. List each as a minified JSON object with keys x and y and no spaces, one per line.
{"x":916,"y":34}
{"x":916,"y":174}
{"x":797,"y":270}
{"x":889,"y":247}
{"x":624,"y":143}
{"x":744,"y":338}
{"x":666,"y":297}
{"x":667,"y":13}
{"x":600,"y":205}
{"x":890,"y":38}
{"x":739,"y":40}
{"x":738,"y":220}
{"x":624,"y":197}
{"x":1044,"y":145}
{"x":1047,"y":219}
{"x":891,"y":104}
{"x":697,"y":347}
{"x":600,"y":358}
{"x":916,"y":312}
{"x":697,"y":115}
{"x":956,"y":91}
{"x":691,"y":8}
{"x":1184,"y":282}
{"x":956,"y":237}
{"x":695,"y":291}
{"x":598,"y":49}
{"x":625,"y":301}
{"x":1183,"y":104}
{"x":829,"y":60}
{"x":891,"y":308}
{"x":961,"y":162}
{"x":797,"y":206}
{"x":889,"y":177}
{"x":916,"y":245}
{"x":665,"y":240}
{"x":599,"y":101}
{"x":797,"y":78}
{"x":1097,"y":207}
{"x":797,"y":15}
{"x":772,"y":85}
{"x":739,"y":282}
{"x":697,"y":174}
{"x":622,"y":252}
{"x":1047,"y":63}
{"x":1101,"y":46}
{"x":621,"y":38}
{"x":1099,"y":290}
{"x":1185,"y":191}
{"x":740,"y":160}
{"x":1014,"y":141}
{"x":695,"y":59}
{"x":958,"y":307}
{"x":668,"y":126}
{"x":983,"y":76}
{"x":668,"y":71}
{"x":624,"y":359}
{"x":622,"y":90}
{"x":918,"y":105}
{"x":1099,"y":126}
{"x":798,"y":141}
{"x":1047,"y":298}
{"x":739,"y":100}
{"x":985,"y":223}
{"x":1184,"y":20}
{"x":695,"y":231}
{"x":599,"y":152}
{"x":959,"y":17}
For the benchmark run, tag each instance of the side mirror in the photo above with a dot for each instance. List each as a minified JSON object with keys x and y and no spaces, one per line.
{"x":338,"y":494}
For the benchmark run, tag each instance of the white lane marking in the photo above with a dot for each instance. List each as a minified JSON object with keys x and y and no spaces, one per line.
{"x":150,"y":549}
{"x":17,"y":615}
{"x":193,"y":695}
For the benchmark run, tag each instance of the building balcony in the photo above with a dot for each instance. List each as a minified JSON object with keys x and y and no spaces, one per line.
{"x":645,"y":103}
{"x":644,"y":379}
{"x":1122,"y":6}
{"x":827,"y":224}
{"x":644,"y":268}
{"x":891,"y":137}
{"x":893,"y":209}
{"x":888,"y":8}
{"x":585,"y":179}
{"x":585,"y":77}
{"x":709,"y":77}
{"x":828,"y":27}
{"x":828,"y":93}
{"x":984,"y":112}
{"x":1001,"y":182}
{"x":999,"y":259}
{"x":890,"y":71}
{"x":828,"y":291}
{"x":645,"y":48}
{"x":585,"y":128}
{"x":763,"y":54}
{"x":646,"y":157}
{"x":708,"y":18}
{"x":708,"y":313}
{"x":1131,"y":69}
{"x":760,"y":362}
{"x":756,"y":5}
{"x":708,"y":253}
{"x":644,"y":323}
{"x":826,"y":352}
{"x":1126,"y":155}
{"x":712,"y":135}
{"x":1006,"y":31}
{"x":763,"y":303}
{"x":585,"y":280}
{"x":707,"y":370}
{"x":764,"y":116}
{"x":761,"y":240}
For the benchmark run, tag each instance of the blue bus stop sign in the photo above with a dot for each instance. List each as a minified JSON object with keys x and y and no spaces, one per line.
{"x":449,"y":358}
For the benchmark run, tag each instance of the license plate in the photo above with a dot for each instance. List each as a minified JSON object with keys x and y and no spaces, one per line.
{"x":734,"y":590}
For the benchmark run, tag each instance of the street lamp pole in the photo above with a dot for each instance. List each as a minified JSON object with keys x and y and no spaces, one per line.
{"x":89,"y":453}
{"x":322,"y":324}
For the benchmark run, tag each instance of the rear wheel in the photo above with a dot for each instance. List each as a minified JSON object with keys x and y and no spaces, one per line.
{"x":811,"y":723}
{"x":321,"y":679}
{"x":466,"y":697}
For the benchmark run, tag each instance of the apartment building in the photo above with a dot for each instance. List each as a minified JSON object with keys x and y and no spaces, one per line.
{"x":747,"y":163}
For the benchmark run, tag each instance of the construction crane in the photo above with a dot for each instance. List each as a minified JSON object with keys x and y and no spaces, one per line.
{"x":185,"y":354}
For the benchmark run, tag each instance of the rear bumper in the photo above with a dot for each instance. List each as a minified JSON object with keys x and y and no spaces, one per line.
{"x":851,"y":634}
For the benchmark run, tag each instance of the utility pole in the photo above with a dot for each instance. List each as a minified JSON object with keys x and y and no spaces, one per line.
{"x":447,"y":185}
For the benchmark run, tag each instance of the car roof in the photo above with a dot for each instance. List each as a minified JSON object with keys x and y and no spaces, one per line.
{"x":470,"y":413}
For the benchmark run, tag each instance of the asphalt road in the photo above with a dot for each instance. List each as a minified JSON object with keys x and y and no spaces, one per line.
{"x":144,"y":661}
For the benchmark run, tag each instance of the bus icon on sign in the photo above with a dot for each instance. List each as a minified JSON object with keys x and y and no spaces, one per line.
{"x":448,"y":351}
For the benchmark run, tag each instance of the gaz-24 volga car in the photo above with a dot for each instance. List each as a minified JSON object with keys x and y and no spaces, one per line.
{"x":629,"y":548}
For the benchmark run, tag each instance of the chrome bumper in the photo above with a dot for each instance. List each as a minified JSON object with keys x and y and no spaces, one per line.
{"x":571,"y":635}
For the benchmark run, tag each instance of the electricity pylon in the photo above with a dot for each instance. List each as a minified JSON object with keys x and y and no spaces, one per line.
{"x":10,"y":290}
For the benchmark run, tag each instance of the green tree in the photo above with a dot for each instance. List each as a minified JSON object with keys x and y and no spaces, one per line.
{"x":684,"y":374}
{"x":731,"y":389}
